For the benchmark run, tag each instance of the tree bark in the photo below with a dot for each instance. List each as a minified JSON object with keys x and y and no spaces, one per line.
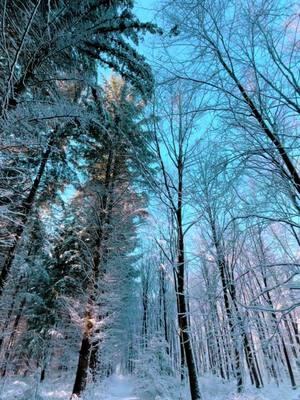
{"x":181,"y":297}
{"x":163,"y":307}
{"x":84,"y":357}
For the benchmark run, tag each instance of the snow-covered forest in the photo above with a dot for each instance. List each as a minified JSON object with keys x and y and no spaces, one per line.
{"x":150,"y":200}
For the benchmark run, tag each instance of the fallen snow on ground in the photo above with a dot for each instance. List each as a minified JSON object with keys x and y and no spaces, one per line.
{"x":214,"y":389}
{"x":119,"y":387}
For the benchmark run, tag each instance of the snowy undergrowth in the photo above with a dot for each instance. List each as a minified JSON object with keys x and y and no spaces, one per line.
{"x":131,"y":388}
{"x":212,"y":389}
{"x":215,"y":389}
{"x":19,"y":388}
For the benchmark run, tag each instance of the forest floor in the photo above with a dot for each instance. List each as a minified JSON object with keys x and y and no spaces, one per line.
{"x":120,"y":387}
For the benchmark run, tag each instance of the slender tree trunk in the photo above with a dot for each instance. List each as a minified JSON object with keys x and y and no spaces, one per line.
{"x":288,"y":364}
{"x":291,"y":339}
{"x":295,"y":329}
{"x":181,"y":298}
{"x":145,"y":316}
{"x":163,"y":306}
{"x":181,"y":343}
{"x":249,"y":350}
{"x":218,"y":350}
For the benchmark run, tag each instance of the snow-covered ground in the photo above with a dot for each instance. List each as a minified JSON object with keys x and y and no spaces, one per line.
{"x":214,"y":389}
{"x":119,"y":387}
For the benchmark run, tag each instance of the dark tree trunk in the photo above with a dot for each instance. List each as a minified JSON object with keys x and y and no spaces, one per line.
{"x":145,"y":317}
{"x":252,"y":363}
{"x":82,"y":367}
{"x":181,"y":343}
{"x":288,"y":364}
{"x":295,"y":329}
{"x":219,"y":352}
{"x":84,"y":357}
{"x":291,"y":339}
{"x":163,"y":306}
{"x":43,"y":375}
{"x":181,"y":297}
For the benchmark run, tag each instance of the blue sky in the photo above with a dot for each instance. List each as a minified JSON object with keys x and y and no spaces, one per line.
{"x":145,"y":9}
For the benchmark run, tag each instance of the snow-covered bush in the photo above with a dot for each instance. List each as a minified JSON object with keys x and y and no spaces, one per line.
{"x":155,"y":377}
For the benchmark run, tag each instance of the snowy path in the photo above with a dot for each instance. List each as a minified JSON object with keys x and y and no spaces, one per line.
{"x":121,"y":388}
